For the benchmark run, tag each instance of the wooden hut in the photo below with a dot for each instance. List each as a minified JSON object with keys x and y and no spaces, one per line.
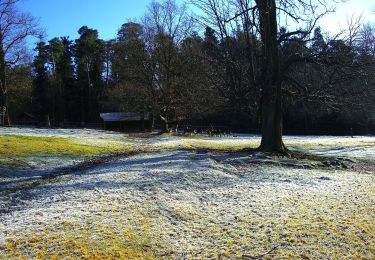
{"x":126,"y":121}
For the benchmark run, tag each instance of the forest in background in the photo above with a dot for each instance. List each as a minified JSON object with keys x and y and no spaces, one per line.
{"x":195,"y":70}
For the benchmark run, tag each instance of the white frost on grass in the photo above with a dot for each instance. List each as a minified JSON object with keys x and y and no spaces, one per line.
{"x":68,"y":133}
{"x":197,"y":205}
{"x":355,"y":148}
{"x":362,"y":147}
{"x":37,"y":163}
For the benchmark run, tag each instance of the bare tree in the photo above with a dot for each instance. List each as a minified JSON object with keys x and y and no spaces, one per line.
{"x":166,"y":25}
{"x":15,"y":27}
{"x":268,"y":20}
{"x":352,"y":32}
{"x":367,"y":39}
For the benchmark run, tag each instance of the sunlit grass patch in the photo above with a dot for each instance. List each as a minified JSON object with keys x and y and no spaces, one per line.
{"x":223,"y":145}
{"x":126,"y":237}
{"x":18,"y":146}
{"x":219,"y":145}
{"x":233,"y":144}
{"x":301,"y":224}
{"x":78,"y":242}
{"x":142,"y":210}
{"x":343,"y":142}
{"x":310,"y":227}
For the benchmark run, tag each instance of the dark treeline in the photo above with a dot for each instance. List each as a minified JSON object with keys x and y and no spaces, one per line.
{"x":200,"y":73}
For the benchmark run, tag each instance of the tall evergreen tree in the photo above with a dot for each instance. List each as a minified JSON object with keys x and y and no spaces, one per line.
{"x":65,"y":69}
{"x":41,"y":100}
{"x":56,"y":52}
{"x":89,"y":51}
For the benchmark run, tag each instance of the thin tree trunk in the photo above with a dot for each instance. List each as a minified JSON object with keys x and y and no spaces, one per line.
{"x":61,"y":105}
{"x":47,"y":122}
{"x":166,"y":126}
{"x":4,"y":95}
{"x":4,"y":87}
{"x":143,"y":121}
{"x":82,"y":107}
{"x":152,"y":125}
{"x":89,"y":92}
{"x":4,"y":104}
{"x":7,"y":120}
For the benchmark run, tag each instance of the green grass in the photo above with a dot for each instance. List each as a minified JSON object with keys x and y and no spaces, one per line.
{"x":72,"y":240}
{"x":21,"y":146}
{"x":313,"y":228}
{"x":218,"y":145}
{"x":76,"y":243}
{"x":200,"y":142}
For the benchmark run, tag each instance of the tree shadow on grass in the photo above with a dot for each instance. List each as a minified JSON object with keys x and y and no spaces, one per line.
{"x":145,"y":173}
{"x":34,"y":177}
{"x":175,"y":169}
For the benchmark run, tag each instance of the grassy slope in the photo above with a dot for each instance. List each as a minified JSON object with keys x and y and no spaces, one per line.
{"x":74,"y":241}
{"x":313,"y":228}
{"x":316,"y":228}
{"x":16,"y":150}
{"x":17,"y":146}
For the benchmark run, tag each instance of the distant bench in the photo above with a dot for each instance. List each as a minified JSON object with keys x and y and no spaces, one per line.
{"x":202,"y":130}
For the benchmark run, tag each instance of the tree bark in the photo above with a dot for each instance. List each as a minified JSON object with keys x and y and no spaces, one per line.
{"x":4,"y":89}
{"x":272,"y":125}
{"x":271,"y":79}
{"x":166,"y":126}
{"x":47,"y":122}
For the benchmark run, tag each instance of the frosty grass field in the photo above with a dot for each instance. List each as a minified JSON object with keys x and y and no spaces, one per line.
{"x":168,"y":197}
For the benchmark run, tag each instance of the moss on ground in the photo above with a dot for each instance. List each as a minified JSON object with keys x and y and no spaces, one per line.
{"x":78,"y":242}
{"x":12,"y":147}
{"x":98,"y":240}
{"x":22,"y":146}
{"x":312,"y":227}
{"x":201,"y":143}
{"x":304,"y":223}
{"x":218,"y":145}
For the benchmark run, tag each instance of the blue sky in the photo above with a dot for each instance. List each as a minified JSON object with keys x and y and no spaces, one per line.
{"x":65,"y":17}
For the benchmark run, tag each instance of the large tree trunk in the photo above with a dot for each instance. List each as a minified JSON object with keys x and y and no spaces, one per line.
{"x":271,"y":79}
{"x":272,"y":125}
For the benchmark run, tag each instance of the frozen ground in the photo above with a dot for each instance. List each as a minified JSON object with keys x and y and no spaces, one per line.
{"x":79,"y":133}
{"x":184,"y":203}
{"x":357,"y":146}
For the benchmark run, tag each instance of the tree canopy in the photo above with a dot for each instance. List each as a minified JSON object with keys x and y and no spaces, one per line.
{"x":245,"y":65}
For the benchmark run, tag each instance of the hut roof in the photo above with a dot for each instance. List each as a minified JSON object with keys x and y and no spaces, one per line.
{"x":124,"y":116}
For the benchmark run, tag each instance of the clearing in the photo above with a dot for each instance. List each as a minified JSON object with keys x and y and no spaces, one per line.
{"x":95,"y":194}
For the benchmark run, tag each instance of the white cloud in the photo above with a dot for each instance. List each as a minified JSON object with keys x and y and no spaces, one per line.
{"x":334,"y":22}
